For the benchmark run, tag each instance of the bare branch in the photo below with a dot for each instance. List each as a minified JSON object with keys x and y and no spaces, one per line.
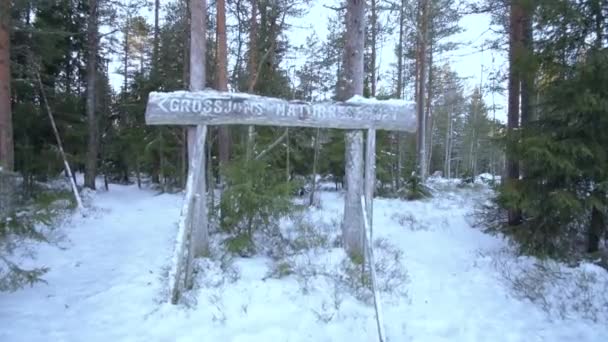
{"x":273,"y":145}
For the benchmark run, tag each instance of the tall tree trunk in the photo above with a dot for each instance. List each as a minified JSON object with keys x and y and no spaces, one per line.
{"x":399,"y":92}
{"x":7,"y":159}
{"x":422,"y":54}
{"x":253,"y":69}
{"x":198,"y":27}
{"x":125,"y":66}
{"x":93,"y":139}
{"x":429,"y":114}
{"x":222,"y":78}
{"x":528,"y":72}
{"x":514,"y":84}
{"x":448,"y":148}
{"x":352,"y":224}
{"x":156,"y":41}
{"x":374,"y":33}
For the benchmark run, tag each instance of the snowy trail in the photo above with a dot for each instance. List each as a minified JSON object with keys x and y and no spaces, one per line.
{"x":104,"y":279}
{"x":107,"y":284}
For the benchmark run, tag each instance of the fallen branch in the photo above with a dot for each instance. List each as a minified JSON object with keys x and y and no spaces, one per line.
{"x":273,"y":145}
{"x":59,"y":144}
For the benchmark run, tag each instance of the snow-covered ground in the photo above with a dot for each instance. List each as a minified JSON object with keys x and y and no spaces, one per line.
{"x":108,"y":283}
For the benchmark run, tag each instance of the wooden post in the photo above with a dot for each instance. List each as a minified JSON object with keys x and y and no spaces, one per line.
{"x":187,"y":218}
{"x":200,"y":236}
{"x":370,"y":177}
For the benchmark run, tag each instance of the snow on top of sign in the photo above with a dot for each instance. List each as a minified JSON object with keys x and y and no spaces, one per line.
{"x":357,"y":99}
{"x":394,"y":102}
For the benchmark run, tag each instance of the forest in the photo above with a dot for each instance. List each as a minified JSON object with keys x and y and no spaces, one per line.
{"x":75,"y":77}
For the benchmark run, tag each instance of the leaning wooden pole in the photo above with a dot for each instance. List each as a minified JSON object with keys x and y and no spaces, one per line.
{"x":372,"y":266}
{"x":68,"y":170}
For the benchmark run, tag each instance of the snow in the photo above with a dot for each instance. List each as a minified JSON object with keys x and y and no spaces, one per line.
{"x":372,"y":100}
{"x":108,"y":282}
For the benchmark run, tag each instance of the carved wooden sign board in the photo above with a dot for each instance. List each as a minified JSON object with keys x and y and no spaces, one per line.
{"x":222,"y":108}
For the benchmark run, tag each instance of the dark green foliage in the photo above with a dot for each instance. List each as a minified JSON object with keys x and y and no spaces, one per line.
{"x":565,"y":163}
{"x":29,"y":222}
{"x":415,"y":189}
{"x":255,"y":199}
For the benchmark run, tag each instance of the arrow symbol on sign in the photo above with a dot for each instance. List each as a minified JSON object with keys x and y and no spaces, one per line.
{"x":161,"y":104}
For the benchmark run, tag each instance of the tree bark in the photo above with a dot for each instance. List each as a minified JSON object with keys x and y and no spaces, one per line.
{"x":93,"y":140}
{"x":514,"y":88}
{"x":352,"y":224}
{"x":222,"y":78}
{"x":7,"y":159}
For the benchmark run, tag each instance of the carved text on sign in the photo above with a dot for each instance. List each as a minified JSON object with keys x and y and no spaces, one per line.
{"x":217,"y":108}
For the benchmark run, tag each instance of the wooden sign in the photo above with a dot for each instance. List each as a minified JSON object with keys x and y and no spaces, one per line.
{"x":222,"y":108}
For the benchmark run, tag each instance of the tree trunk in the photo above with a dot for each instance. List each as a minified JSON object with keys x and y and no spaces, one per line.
{"x":422,"y":47}
{"x":596,"y":227}
{"x":7,"y":159}
{"x":125,"y":67}
{"x":374,"y":33}
{"x":252,"y":66}
{"x":93,"y":140}
{"x":515,"y":48}
{"x":429,"y":114}
{"x":352,"y":224}
{"x":222,"y":78}
{"x":528,"y":74}
{"x":156,"y":41}
{"x":198,"y":27}
{"x":448,"y":149}
{"x":399,"y":92}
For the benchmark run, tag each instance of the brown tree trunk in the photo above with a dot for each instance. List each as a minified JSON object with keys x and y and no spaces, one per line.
{"x":514,"y":88}
{"x":352,"y":224}
{"x":7,"y":159}
{"x":222,"y":78}
{"x":93,"y":140}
